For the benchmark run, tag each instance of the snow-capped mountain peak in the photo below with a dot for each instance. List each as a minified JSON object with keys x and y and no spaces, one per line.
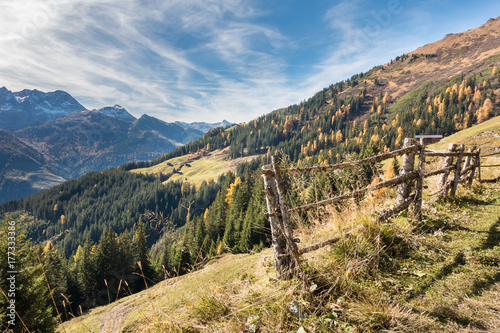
{"x":26,"y":107}
{"x":116,"y":111}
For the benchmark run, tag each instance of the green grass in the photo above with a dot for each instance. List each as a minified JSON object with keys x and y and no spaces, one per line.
{"x":164,"y":167}
{"x":408,"y":99}
{"x":438,"y":275}
{"x":484,"y":135}
{"x":203,"y":169}
{"x":459,"y":256}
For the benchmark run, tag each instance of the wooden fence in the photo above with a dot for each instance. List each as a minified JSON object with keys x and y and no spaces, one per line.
{"x":460,"y":164}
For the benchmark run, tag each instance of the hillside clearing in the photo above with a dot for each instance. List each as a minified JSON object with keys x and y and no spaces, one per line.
{"x":196,"y":168}
{"x":483,"y":135}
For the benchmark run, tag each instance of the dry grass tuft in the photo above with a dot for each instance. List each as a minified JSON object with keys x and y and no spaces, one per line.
{"x":375,"y":313}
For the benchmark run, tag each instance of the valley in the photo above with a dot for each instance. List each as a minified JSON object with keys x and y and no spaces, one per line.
{"x":74,"y":141}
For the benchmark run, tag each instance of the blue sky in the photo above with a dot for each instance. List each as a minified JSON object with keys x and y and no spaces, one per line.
{"x":203,"y":60}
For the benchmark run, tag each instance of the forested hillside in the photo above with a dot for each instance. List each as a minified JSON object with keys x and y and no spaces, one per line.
{"x":345,"y":117}
{"x":440,"y":88}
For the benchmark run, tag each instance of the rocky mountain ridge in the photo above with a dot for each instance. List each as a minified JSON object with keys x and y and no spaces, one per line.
{"x":68,"y":140}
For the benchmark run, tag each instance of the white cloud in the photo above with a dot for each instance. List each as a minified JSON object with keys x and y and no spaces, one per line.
{"x":364,"y":37}
{"x":107,"y":52}
{"x":191,"y":59}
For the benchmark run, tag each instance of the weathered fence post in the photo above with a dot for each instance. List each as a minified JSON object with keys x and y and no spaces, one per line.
{"x":417,"y":211}
{"x":279,"y":244}
{"x":292,"y":249}
{"x":457,"y":171}
{"x":448,"y":160}
{"x":467,"y":161}
{"x":286,"y":253}
{"x":475,"y":164}
{"x":478,"y":166}
{"x":408,"y":165}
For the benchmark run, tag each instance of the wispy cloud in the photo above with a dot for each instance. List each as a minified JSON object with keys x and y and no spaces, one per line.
{"x":365,"y":34}
{"x":176,"y":60}
{"x":199,"y":59}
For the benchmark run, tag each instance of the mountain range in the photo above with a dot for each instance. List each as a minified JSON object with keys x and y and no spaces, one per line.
{"x":47,"y":138}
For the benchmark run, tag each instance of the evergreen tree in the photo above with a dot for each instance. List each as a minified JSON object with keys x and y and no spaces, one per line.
{"x":126,"y":262}
{"x":86,"y":272}
{"x":30,"y":294}
{"x":56,"y":273}
{"x":144,"y":269}
{"x":107,"y":267}
{"x":256,"y":225}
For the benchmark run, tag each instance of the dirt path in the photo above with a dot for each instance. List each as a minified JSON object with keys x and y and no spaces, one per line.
{"x":114,"y":319}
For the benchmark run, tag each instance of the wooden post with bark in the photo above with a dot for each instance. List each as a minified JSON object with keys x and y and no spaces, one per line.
{"x":417,"y":211}
{"x":448,"y":161}
{"x":478,"y":166}
{"x":286,"y":253}
{"x":280,"y":261}
{"x":467,"y":161}
{"x":456,"y":179}
{"x":284,"y":222}
{"x":475,"y":165}
{"x":404,"y":189}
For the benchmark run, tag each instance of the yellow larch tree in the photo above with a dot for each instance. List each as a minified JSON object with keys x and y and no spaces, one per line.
{"x":477,"y":96}
{"x":230,"y":190}
{"x":385,"y":100}
{"x":339,"y":136}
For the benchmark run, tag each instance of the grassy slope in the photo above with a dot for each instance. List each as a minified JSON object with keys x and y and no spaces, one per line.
{"x":439,"y":275}
{"x":485,"y":136}
{"x":448,"y":279}
{"x":205,"y":168}
{"x":169,"y":300}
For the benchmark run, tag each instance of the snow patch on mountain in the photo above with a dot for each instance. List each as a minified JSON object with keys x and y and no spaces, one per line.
{"x":202,"y":126}
{"x":117,"y":111}
{"x":26,"y":107}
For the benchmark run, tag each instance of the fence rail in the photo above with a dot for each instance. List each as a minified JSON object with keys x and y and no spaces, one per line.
{"x":394,"y":181}
{"x":287,"y":253}
{"x":373,"y":159}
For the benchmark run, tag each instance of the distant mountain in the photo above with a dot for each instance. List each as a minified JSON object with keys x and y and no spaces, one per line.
{"x":173,"y":131}
{"x":50,"y":137}
{"x":27,"y":107}
{"x":95,"y":140}
{"x":23,"y":170}
{"x":116,"y":111}
{"x":204,"y":127}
